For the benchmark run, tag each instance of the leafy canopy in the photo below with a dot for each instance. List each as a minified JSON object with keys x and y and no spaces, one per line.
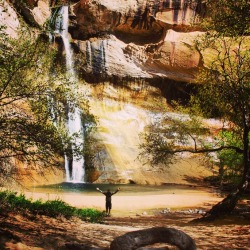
{"x":230,"y":17}
{"x":223,"y":88}
{"x":33,"y":96}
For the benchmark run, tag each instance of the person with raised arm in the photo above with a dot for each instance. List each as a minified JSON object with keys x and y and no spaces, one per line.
{"x":108,"y":195}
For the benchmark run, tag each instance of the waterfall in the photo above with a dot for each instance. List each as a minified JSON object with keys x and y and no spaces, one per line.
{"x":74,"y":123}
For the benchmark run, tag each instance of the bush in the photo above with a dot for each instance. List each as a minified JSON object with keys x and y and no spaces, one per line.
{"x":10,"y":201}
{"x":90,"y":214}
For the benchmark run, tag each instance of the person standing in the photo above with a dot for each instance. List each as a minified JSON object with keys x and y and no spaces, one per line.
{"x":108,"y":195}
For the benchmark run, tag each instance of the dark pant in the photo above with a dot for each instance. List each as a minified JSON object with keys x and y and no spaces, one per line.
{"x":108,"y":205}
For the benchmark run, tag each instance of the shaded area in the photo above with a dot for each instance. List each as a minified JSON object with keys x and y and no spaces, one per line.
{"x":58,"y":233}
{"x":174,"y":90}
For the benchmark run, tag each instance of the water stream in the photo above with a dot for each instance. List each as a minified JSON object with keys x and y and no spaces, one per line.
{"x":74,"y":167}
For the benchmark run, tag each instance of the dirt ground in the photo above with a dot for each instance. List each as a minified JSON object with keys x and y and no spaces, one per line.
{"x":29,"y":232}
{"x":130,"y":213}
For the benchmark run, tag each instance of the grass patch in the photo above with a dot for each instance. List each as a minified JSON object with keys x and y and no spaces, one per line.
{"x":11,"y":201}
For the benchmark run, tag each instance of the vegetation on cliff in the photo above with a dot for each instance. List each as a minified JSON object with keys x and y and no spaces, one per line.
{"x":223,"y":93}
{"x":33,"y":96}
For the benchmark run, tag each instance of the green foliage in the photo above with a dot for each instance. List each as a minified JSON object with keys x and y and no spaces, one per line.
{"x":173,"y":133}
{"x":50,"y":25}
{"x":224,"y":85}
{"x":225,"y":80}
{"x":89,"y":214}
{"x":223,"y":90}
{"x":230,"y":17}
{"x":53,"y":208}
{"x":10,"y":201}
{"x":26,"y":128}
{"x":34,"y":92}
{"x":230,"y":162}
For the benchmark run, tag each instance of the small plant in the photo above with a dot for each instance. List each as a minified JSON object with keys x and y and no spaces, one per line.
{"x":90,"y":214}
{"x":10,"y":201}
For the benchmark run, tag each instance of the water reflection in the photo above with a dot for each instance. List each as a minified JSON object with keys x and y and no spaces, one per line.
{"x":131,"y":189}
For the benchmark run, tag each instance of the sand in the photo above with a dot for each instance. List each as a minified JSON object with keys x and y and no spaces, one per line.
{"x":42,"y":232}
{"x":124,"y":204}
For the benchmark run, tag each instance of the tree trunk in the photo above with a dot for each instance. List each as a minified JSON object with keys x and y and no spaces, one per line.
{"x":227,"y":205}
{"x":139,"y":238}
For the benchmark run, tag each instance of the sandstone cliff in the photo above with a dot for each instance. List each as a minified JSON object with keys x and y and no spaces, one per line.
{"x":149,"y":38}
{"x":140,"y":55}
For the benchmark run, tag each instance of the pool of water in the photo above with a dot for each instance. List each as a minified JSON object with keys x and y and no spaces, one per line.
{"x":126,"y":189}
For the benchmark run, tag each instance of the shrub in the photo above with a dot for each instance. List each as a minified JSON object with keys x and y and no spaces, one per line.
{"x":10,"y":201}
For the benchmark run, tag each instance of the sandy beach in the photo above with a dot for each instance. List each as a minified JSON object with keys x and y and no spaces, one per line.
{"x":124,"y":204}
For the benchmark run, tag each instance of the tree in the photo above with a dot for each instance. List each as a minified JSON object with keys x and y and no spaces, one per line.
{"x":33,"y":95}
{"x":223,"y":88}
{"x":230,"y":163}
{"x":230,"y":17}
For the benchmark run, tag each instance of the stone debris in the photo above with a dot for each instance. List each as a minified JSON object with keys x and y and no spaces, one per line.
{"x":188,"y":211}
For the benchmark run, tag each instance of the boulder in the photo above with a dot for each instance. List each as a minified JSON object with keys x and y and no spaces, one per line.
{"x":9,"y":19}
{"x":35,"y":12}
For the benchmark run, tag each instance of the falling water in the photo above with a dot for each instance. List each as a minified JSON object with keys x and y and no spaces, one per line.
{"x":74,"y":122}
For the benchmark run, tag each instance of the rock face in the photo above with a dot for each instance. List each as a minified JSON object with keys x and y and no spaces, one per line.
{"x":9,"y":19}
{"x":173,"y":58}
{"x":144,"y":32}
{"x":41,"y":12}
{"x":132,"y":50}
{"x":108,"y":56}
{"x":34,"y":12}
{"x":124,"y":113}
{"x":142,"y":39}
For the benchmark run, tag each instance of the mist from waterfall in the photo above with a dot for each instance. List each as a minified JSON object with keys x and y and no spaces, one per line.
{"x":74,"y":167}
